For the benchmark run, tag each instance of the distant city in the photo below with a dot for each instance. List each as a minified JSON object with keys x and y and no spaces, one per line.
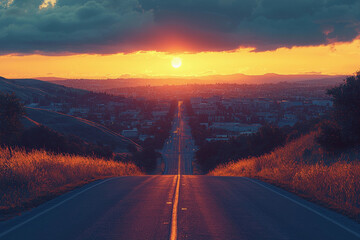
{"x":225,"y":110}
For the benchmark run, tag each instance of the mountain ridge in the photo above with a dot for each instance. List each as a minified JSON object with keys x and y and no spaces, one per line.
{"x":269,"y":78}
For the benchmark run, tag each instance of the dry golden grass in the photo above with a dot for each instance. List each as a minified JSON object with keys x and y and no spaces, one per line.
{"x":301,"y":167}
{"x":28,"y":179}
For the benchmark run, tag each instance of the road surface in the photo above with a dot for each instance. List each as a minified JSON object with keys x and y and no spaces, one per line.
{"x":179,"y":145}
{"x":179,"y":206}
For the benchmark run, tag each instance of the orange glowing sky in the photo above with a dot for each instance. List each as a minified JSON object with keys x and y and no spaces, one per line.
{"x":338,"y":58}
{"x":139,"y":38}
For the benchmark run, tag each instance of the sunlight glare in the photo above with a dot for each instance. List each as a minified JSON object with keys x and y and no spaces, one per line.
{"x":176,"y":62}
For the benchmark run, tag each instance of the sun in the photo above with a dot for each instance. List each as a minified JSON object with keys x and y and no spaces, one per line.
{"x":176,"y":62}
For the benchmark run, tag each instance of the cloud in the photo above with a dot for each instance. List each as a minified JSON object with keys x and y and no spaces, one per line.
{"x":69,"y":26}
{"x":109,"y":26}
{"x":262,"y":24}
{"x":47,"y":3}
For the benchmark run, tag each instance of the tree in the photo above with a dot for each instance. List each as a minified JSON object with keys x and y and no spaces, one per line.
{"x":146,"y":159}
{"x":11,"y":112}
{"x":330,"y":137}
{"x":346,"y":98}
{"x":266,"y":139}
{"x":212,"y":154}
{"x":42,"y":137}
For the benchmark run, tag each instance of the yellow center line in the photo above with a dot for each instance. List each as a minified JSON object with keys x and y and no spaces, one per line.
{"x":173,"y":232}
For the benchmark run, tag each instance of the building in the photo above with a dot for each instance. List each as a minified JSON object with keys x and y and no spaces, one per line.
{"x":239,"y":128}
{"x":133,"y":133}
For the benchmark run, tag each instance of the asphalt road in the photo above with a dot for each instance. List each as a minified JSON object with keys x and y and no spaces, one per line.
{"x":179,"y":206}
{"x":179,"y":145}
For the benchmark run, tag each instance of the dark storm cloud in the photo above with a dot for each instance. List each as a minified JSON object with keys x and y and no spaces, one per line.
{"x":108,"y":26}
{"x":70,"y":26}
{"x":264,"y":24}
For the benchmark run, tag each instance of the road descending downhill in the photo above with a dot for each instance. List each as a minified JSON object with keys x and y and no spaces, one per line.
{"x":179,"y":145}
{"x":178,"y":205}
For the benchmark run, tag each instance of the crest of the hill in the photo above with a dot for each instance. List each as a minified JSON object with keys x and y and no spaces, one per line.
{"x":29,"y":90}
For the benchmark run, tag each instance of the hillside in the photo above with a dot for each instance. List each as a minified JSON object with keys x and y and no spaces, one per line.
{"x":302,"y":167}
{"x":30,"y":89}
{"x":87,"y":130}
{"x":28,"y":179}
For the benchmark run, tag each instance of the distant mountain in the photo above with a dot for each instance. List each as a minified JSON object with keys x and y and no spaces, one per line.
{"x":103,"y":85}
{"x":50,"y":78}
{"x":272,"y":78}
{"x":29,"y":89}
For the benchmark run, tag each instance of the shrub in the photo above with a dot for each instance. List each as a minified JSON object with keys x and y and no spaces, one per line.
{"x":146,"y":159}
{"x":330,"y":137}
{"x":41,"y":137}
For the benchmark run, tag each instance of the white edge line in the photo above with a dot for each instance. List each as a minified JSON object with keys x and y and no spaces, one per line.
{"x":51,"y":208}
{"x":308,"y":208}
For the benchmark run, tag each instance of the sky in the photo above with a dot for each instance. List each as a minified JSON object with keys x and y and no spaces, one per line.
{"x":139,"y":38}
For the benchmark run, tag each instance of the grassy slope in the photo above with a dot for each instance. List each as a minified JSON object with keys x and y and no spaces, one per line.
{"x":87,"y":130}
{"x":29,"y":179}
{"x":302,"y":168}
{"x":27,"y":89}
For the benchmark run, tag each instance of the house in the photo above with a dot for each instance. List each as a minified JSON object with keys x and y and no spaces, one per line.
{"x":285,"y":104}
{"x":195,"y":100}
{"x":133,"y":133}
{"x":143,"y":137}
{"x":159,"y":114}
{"x":284,"y":123}
{"x":218,"y":138}
{"x":323,"y":103}
{"x":239,"y":128}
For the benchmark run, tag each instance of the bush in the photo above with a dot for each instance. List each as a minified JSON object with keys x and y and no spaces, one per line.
{"x":41,"y":137}
{"x":146,"y":159}
{"x":212,"y":154}
{"x":330,"y":137}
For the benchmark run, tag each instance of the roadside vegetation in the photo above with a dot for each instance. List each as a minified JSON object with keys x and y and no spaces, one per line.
{"x":13,"y":134}
{"x":27,"y":179}
{"x":38,"y":164}
{"x":39,"y":137}
{"x":322,"y":166}
{"x":304,"y":168}
{"x":211,"y":154}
